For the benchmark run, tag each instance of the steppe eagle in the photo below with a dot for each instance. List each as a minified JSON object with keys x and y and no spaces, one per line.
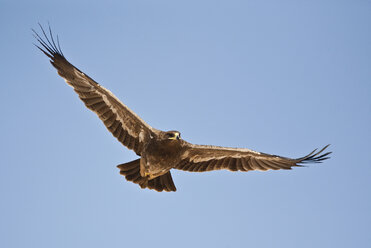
{"x":159,"y":151}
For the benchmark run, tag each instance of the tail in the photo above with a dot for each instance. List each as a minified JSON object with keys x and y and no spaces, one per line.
{"x":131,"y":171}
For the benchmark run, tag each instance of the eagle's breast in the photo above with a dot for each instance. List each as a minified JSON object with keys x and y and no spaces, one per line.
{"x":159,"y":156}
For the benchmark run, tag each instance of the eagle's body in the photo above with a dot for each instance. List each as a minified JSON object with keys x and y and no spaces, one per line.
{"x":159,"y":151}
{"x":160,"y":155}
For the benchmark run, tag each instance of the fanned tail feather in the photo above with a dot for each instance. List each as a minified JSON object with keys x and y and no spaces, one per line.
{"x":131,"y":171}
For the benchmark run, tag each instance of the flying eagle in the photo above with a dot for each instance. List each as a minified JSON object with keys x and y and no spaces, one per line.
{"x":159,"y":151}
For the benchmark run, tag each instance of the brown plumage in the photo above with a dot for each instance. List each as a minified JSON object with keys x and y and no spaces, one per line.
{"x":159,"y":151}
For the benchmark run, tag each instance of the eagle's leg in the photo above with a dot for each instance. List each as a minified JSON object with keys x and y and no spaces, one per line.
{"x":131,"y":171}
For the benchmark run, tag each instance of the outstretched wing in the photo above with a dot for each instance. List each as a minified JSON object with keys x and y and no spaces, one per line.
{"x":123,"y":123}
{"x":199,"y":158}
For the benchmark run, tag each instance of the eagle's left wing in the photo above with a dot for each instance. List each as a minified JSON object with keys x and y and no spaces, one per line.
{"x":200,"y":158}
{"x":123,"y":123}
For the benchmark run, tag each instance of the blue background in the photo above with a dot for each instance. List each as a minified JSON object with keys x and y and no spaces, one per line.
{"x":280,"y":77}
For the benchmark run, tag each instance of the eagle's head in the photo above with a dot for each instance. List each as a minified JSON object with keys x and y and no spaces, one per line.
{"x":171,"y":135}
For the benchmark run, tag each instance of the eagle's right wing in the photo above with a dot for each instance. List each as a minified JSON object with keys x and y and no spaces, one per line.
{"x":200,"y":158}
{"x":123,"y":123}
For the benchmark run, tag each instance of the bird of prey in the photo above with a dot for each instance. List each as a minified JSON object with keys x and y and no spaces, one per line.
{"x":159,"y":151}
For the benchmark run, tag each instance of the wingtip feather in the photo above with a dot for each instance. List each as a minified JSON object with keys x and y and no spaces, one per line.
{"x":48,"y":42}
{"x":314,"y":157}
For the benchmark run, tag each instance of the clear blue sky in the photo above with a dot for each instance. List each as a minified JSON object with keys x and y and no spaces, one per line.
{"x":280,"y":77}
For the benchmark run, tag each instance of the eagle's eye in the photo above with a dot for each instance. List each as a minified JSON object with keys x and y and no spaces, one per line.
{"x":173,"y":135}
